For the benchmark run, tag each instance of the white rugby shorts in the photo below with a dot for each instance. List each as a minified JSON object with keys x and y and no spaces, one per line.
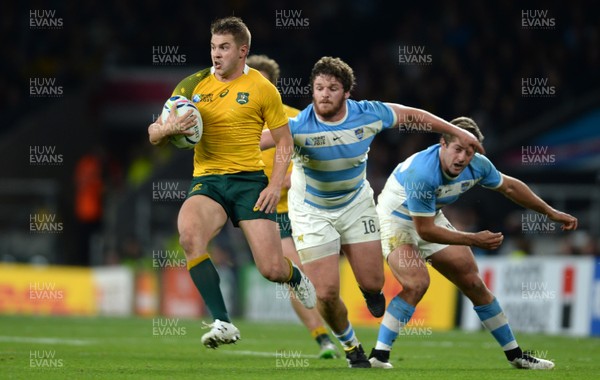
{"x":396,"y":231}
{"x":357,"y":222}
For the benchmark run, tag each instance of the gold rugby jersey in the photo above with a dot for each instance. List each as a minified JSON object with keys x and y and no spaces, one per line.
{"x":233,"y":115}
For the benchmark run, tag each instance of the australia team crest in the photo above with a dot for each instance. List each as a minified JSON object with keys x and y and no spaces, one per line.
{"x":242,"y":97}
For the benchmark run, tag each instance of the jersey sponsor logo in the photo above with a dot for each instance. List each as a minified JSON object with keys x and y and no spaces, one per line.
{"x":360,"y":132}
{"x":224,"y":93}
{"x":196,"y":187}
{"x":205,"y":98}
{"x":454,"y":189}
{"x":242,"y":97}
{"x":337,"y":138}
{"x":315,"y":141}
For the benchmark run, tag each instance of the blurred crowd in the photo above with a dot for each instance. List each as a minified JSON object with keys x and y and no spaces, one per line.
{"x":479,"y":51}
{"x":474,"y":57}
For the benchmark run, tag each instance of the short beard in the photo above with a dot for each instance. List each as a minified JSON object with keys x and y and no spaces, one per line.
{"x":331,"y":113}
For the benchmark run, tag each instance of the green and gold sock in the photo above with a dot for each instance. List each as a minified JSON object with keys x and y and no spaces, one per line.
{"x":206,"y":278}
{"x":321,"y":335}
{"x":295,"y":276}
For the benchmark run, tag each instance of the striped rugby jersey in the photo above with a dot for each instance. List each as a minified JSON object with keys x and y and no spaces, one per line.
{"x":330,"y":158}
{"x":419,"y":187}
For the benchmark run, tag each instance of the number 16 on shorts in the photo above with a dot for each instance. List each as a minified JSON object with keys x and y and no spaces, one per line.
{"x":370,"y":227}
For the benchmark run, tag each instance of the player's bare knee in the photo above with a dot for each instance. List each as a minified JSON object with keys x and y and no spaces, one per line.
{"x":472,"y":283}
{"x":186,"y":242}
{"x":372,"y":285}
{"x":273,"y":272}
{"x":191,"y":243}
{"x":416,"y":287}
{"x":270,"y":274}
{"x":328,"y":295}
{"x":421,"y":286}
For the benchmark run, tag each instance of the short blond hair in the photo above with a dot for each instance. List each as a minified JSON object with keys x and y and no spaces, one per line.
{"x":234,"y":26}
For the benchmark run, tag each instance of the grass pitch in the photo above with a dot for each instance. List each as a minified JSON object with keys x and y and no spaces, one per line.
{"x":169,"y":348}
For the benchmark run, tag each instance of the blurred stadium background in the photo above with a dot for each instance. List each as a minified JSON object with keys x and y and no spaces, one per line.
{"x":89,"y":206}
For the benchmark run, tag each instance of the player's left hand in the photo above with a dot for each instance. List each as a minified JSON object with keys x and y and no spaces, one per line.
{"x":569,"y":221}
{"x":268,"y":199}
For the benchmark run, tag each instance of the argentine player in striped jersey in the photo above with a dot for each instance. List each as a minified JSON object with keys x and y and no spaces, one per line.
{"x":414,"y":230}
{"x":311,"y":318}
{"x":331,"y":203}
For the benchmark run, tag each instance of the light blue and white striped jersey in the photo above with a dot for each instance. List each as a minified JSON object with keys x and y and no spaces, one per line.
{"x":330,"y":159}
{"x":419,"y":187}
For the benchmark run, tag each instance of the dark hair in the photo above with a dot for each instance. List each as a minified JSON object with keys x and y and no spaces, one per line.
{"x":336,"y":68}
{"x":467,"y":124}
{"x":265,"y":64}
{"x":234,"y":26}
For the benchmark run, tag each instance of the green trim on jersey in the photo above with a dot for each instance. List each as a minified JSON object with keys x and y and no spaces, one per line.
{"x":187,"y":85}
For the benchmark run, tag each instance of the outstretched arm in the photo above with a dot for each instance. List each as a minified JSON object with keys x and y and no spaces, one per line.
{"x":518,"y":192}
{"x":428,"y":230}
{"x":407,"y":115}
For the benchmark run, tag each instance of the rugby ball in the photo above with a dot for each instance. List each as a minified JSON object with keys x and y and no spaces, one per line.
{"x":181,"y":105}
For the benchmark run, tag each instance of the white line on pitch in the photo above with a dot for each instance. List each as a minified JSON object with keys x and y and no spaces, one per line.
{"x":268,"y":354}
{"x":24,"y":339}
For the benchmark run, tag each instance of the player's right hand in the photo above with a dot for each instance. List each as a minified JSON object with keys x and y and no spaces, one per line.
{"x":174,"y":125}
{"x":569,"y":222}
{"x":268,"y":199}
{"x":468,"y":139}
{"x":487,"y":239}
{"x":180,"y":125}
